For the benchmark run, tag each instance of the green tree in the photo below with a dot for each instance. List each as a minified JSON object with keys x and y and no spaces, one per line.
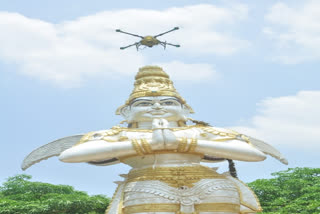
{"x":296,"y":190}
{"x":20,"y":195}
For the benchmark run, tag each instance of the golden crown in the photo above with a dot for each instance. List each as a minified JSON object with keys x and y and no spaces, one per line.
{"x":152,"y":81}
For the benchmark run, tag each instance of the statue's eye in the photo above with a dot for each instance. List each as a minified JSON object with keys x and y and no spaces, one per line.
{"x":144,"y":104}
{"x":168,"y":103}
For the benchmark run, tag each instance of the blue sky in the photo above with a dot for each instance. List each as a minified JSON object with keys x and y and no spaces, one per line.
{"x":248,"y":66}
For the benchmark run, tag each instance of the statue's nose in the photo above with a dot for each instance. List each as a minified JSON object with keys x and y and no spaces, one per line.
{"x":156,"y":105}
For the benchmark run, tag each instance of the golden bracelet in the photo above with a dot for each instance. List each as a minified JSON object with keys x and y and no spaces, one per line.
{"x":137,"y":147}
{"x":183,"y":142}
{"x":146,"y":146}
{"x":193,"y":145}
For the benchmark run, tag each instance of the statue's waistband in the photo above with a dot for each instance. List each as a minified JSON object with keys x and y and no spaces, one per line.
{"x":174,"y":176}
{"x":205,"y":207}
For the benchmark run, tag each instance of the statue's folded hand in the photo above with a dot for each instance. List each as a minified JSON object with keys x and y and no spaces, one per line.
{"x":170,"y":140}
{"x":163,"y":137}
{"x":157,"y":142}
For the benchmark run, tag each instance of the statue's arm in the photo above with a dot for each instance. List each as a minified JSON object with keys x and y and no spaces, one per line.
{"x":241,"y":146}
{"x":230,"y":149}
{"x":97,"y":150}
{"x":54,"y":148}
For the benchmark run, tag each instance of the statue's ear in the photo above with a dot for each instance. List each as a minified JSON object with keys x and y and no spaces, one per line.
{"x":187,"y":109}
{"x":125,"y":111}
{"x":121,"y":110}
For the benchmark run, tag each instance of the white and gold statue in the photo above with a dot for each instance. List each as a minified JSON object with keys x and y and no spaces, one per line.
{"x":165,"y":155}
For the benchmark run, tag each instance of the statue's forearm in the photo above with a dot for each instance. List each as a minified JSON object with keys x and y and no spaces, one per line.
{"x":97,"y":150}
{"x":232,"y":149}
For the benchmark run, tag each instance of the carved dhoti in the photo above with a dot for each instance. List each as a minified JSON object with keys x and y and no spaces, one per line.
{"x":183,"y":190}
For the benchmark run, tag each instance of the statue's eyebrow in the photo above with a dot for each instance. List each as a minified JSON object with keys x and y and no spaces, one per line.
{"x":140,"y":100}
{"x":173,"y":98}
{"x":148,"y":100}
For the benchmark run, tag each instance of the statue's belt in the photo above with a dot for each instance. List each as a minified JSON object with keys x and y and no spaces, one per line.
{"x":174,"y":176}
{"x":175,"y":208}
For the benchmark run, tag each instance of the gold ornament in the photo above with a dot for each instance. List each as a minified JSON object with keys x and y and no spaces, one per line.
{"x":175,"y":208}
{"x":174,"y":176}
{"x":217,"y":207}
{"x":183,"y":142}
{"x":146,"y":146}
{"x":143,"y":208}
{"x":193,"y":145}
{"x":136,"y":146}
{"x":152,"y":81}
{"x":214,"y":131}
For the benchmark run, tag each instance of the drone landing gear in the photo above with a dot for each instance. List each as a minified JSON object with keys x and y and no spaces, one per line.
{"x":136,"y":44}
{"x":164,"y":44}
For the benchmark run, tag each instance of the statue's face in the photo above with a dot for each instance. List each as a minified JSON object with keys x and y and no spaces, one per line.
{"x":145,"y":109}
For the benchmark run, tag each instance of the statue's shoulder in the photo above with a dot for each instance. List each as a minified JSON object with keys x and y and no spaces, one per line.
{"x":218,"y":131}
{"x":220,"y":134}
{"x":111,"y":135}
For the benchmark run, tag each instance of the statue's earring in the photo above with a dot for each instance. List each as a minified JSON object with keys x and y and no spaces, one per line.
{"x":130,"y":125}
{"x":123,"y":121}
{"x":182,"y":123}
{"x":133,"y":125}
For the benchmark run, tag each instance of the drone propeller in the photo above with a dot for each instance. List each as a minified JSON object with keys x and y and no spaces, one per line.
{"x":120,"y":31}
{"x":136,"y":44}
{"x":175,"y":28}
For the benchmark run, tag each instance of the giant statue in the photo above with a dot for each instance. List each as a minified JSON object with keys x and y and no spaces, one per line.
{"x":165,"y":149}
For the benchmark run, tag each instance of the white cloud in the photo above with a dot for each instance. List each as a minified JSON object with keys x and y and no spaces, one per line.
{"x":295,"y":31}
{"x":45,"y":51}
{"x":70,"y":52}
{"x":293,"y":121}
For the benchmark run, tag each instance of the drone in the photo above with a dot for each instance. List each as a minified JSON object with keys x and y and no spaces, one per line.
{"x":149,"y":41}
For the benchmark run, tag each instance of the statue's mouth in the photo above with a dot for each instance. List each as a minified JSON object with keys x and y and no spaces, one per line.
{"x":161,"y":112}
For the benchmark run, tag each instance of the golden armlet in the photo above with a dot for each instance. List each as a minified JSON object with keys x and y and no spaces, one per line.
{"x":193,"y":145}
{"x":146,"y":146}
{"x":136,"y":147}
{"x":187,"y":145}
{"x":183,"y":142}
